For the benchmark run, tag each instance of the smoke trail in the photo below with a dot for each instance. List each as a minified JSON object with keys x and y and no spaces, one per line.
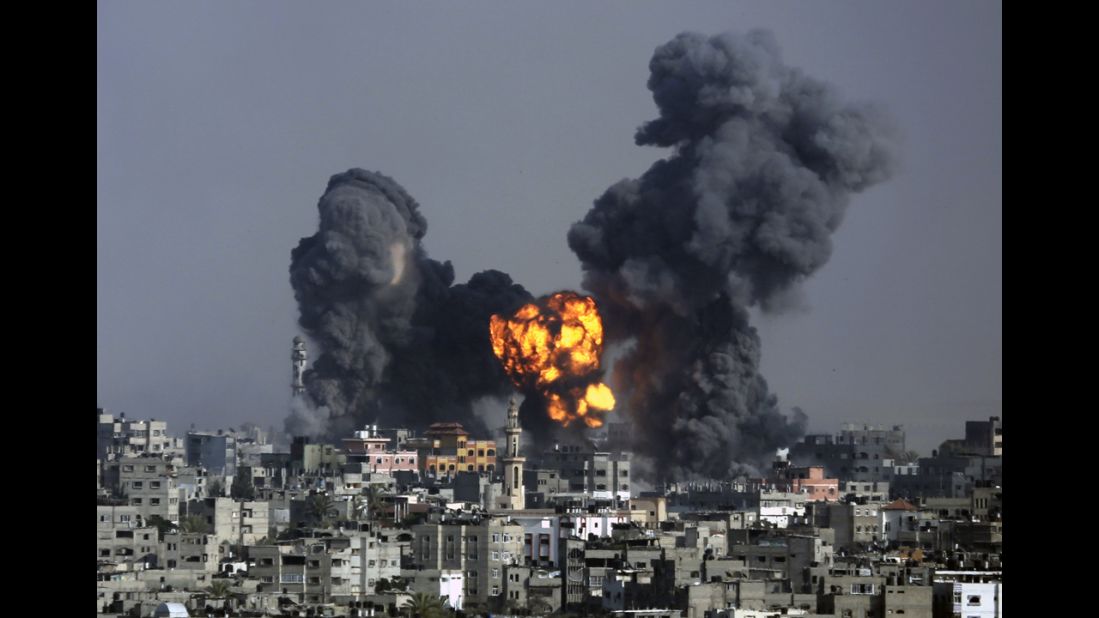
{"x":398,"y":342}
{"x":765,"y":160}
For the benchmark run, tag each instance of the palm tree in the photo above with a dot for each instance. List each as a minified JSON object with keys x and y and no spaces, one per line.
{"x":539,"y":607}
{"x":425,"y":606}
{"x":318,"y":507}
{"x":194,"y":523}
{"x":219,"y":589}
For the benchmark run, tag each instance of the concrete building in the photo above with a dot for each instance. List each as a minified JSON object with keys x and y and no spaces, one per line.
{"x":149,"y":484}
{"x":856,"y":453}
{"x":865,"y":491}
{"x":374,"y":558}
{"x":649,"y":511}
{"x":118,"y":437}
{"x":981,"y":438}
{"x":542,"y":487}
{"x":604,"y":476}
{"x":780,"y":508}
{"x":481,"y":550}
{"x":215,"y":452}
{"x":808,"y":480}
{"x":372,"y":451}
{"x":897,"y":517}
{"x":448,"y":585}
{"x":596,"y":523}
{"x":907,"y":601}
{"x":446,"y":449}
{"x":855,"y":525}
{"x":195,"y":551}
{"x":121,"y":539}
{"x":965,"y":594}
{"x":541,"y":534}
{"x":310,"y":458}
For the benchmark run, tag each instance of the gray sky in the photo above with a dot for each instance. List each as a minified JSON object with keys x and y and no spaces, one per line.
{"x":219,"y":125}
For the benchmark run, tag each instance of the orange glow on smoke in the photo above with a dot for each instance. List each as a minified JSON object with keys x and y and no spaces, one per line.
{"x":549,"y":344}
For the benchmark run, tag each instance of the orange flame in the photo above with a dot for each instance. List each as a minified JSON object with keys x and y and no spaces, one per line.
{"x":552,"y":347}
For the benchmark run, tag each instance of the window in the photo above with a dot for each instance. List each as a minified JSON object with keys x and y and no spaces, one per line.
{"x":495,"y":573}
{"x":136,"y":502}
{"x":154,"y":501}
{"x":495,"y":555}
{"x":974,"y":599}
{"x":138,"y":485}
{"x":150,"y":468}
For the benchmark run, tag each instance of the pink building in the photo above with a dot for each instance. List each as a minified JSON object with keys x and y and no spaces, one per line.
{"x":373,"y":451}
{"x":809,"y":480}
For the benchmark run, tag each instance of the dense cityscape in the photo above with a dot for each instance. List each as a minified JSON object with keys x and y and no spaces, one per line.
{"x":560,"y":404}
{"x":390,"y":522}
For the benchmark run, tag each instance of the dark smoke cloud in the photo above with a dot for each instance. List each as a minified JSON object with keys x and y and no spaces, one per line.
{"x":765,"y":160}
{"x":399,"y":343}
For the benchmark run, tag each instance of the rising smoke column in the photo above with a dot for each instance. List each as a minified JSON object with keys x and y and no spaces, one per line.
{"x":765,"y":160}
{"x":398,"y":342}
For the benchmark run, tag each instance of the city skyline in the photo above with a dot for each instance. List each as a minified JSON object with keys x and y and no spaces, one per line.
{"x":218,"y":129}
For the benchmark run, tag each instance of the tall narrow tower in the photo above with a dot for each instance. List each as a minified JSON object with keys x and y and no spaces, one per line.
{"x":513,"y":497}
{"x":299,"y":357}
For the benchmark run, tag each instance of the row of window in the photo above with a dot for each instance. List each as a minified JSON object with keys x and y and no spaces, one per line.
{"x":130,"y":468}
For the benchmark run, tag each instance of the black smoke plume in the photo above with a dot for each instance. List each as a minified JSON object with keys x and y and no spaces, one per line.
{"x":764,"y":162}
{"x":399,"y":343}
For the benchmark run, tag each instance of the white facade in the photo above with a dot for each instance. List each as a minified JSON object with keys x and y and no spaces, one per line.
{"x":974,"y":600}
{"x":779,"y":507}
{"x":452,"y":588}
{"x":599,"y":524}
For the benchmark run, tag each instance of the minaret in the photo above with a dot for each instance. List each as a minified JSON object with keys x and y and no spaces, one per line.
{"x":299,"y":357}
{"x":513,"y":497}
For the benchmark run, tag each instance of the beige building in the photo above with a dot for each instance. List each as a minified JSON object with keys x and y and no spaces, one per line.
{"x":481,"y":550}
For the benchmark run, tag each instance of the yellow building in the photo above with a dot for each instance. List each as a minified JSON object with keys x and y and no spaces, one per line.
{"x":446,"y":449}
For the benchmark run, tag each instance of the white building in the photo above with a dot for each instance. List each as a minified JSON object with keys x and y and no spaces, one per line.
{"x":969,"y":594}
{"x":779,"y":507}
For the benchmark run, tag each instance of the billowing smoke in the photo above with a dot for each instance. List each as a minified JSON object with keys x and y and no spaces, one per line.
{"x":765,"y":160}
{"x":398,"y":342}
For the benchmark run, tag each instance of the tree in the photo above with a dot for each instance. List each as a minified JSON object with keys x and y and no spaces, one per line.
{"x":163,"y":526}
{"x":215,"y":488}
{"x":194,"y":523}
{"x":425,"y":606}
{"x":219,"y":589}
{"x":318,"y":508}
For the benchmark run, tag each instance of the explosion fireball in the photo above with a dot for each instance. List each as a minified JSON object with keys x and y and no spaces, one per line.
{"x":552,"y":348}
